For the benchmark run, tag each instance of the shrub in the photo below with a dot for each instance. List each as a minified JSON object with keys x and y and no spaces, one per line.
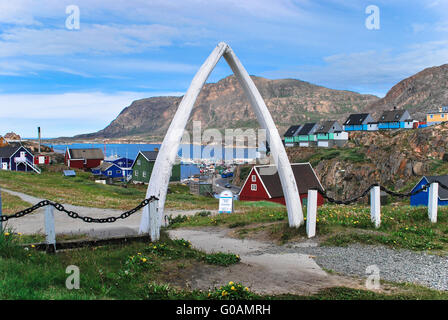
{"x":222,"y":259}
{"x":231,"y":291}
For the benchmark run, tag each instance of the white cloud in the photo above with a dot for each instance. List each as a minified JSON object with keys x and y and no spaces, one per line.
{"x":71,"y":105}
{"x":93,"y":39}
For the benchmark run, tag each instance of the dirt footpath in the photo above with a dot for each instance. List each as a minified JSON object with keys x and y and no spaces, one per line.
{"x":264,"y":273}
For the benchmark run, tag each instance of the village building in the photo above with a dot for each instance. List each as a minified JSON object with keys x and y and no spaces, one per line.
{"x":40,"y":159}
{"x":421,"y":199}
{"x":357,"y":122}
{"x":83,"y":158}
{"x":395,"y":119}
{"x":3,"y":142}
{"x":15,"y":157}
{"x":122,"y":162}
{"x":306,"y":136}
{"x":329,"y":133}
{"x":291,"y":137}
{"x":143,"y":165}
{"x":436,"y":117}
{"x":263,"y":184}
{"x":111,"y":170}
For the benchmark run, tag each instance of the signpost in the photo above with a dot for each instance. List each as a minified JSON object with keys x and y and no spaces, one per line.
{"x":226,"y":202}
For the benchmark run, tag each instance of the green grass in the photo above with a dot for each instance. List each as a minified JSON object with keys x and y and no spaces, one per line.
{"x":131,"y":271}
{"x":12,"y":204}
{"x":402,"y":226}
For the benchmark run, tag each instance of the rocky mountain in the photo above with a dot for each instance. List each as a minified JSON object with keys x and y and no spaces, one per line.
{"x":224,"y":105}
{"x":423,"y":92}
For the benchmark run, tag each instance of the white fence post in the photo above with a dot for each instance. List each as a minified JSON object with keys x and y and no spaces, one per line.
{"x":433,"y":201}
{"x":311,"y":213}
{"x":375,"y":206}
{"x":153,"y":220}
{"x":50,"y":229}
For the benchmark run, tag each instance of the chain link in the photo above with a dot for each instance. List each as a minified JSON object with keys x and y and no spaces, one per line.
{"x":392,"y":193}
{"x":75,"y":215}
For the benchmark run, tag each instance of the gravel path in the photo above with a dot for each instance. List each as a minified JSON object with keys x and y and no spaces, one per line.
{"x":394,"y":265}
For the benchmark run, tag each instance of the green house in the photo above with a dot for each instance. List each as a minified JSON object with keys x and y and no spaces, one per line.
{"x":143,"y":164}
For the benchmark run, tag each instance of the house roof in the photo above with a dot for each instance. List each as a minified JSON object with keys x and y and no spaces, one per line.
{"x":356,"y":119}
{"x":326,"y":126}
{"x":291,"y":131}
{"x":391,"y":115}
{"x":150,"y":155}
{"x":104,"y":166}
{"x":443,"y":193}
{"x":303,"y":172}
{"x":9,"y":150}
{"x":306,"y":129}
{"x":92,"y":153}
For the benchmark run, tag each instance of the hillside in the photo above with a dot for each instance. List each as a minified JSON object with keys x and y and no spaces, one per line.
{"x":423,"y":92}
{"x":223,"y":105}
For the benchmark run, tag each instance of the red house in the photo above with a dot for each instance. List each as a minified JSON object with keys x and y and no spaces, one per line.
{"x":83,"y":158}
{"x":263,"y":183}
{"x":41,"y":159}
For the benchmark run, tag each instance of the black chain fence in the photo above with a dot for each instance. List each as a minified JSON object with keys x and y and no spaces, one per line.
{"x":390,"y":192}
{"x":75,"y":215}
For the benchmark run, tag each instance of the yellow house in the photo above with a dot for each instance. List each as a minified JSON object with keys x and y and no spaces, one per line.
{"x":436,"y":117}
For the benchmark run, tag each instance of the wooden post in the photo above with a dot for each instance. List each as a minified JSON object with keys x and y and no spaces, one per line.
{"x":433,"y":201}
{"x":311,"y":213}
{"x":50,"y":229}
{"x":375,"y":206}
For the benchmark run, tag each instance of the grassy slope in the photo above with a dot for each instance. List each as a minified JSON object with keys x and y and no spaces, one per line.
{"x":12,"y":204}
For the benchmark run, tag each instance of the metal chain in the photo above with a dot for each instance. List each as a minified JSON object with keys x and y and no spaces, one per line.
{"x":75,"y":215}
{"x":392,"y":193}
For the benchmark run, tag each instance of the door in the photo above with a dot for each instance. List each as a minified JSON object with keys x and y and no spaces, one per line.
{"x":41,"y":160}
{"x":4,"y":166}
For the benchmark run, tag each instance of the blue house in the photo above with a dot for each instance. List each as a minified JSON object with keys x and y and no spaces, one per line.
{"x":358,"y":122}
{"x":15,"y":157}
{"x":395,"y":119}
{"x":111,"y":170}
{"x":122,"y":162}
{"x":421,"y":199}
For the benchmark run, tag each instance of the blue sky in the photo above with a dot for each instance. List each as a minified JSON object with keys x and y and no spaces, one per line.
{"x":77,"y":81}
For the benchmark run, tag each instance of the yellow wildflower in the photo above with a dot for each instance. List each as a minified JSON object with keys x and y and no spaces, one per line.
{"x":233,"y":288}
{"x":247,"y":289}
{"x":6,"y":233}
{"x":33,"y":246}
{"x":230,"y":283}
{"x":224,"y":293}
{"x":144,"y":259}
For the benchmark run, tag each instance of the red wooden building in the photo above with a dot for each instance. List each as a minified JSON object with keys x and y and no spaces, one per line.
{"x":263,"y":183}
{"x":83,"y":158}
{"x":41,"y":159}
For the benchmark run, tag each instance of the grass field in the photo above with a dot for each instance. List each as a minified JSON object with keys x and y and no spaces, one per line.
{"x":83,"y":191}
{"x":142,"y":271}
{"x":402,"y":226}
{"x":12,"y":204}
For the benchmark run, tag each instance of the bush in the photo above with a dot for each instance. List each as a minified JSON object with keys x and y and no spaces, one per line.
{"x":222,"y":259}
{"x":231,"y":291}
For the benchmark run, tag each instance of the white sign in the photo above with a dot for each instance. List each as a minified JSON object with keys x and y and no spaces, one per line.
{"x":226,"y":202}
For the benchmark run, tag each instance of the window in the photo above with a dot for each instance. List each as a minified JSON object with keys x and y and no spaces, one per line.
{"x":254,"y":178}
{"x":144,"y":174}
{"x":136,"y":173}
{"x":431,"y":116}
{"x":253,"y":187}
{"x":139,"y":162}
{"x":118,"y":171}
{"x":109,"y":173}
